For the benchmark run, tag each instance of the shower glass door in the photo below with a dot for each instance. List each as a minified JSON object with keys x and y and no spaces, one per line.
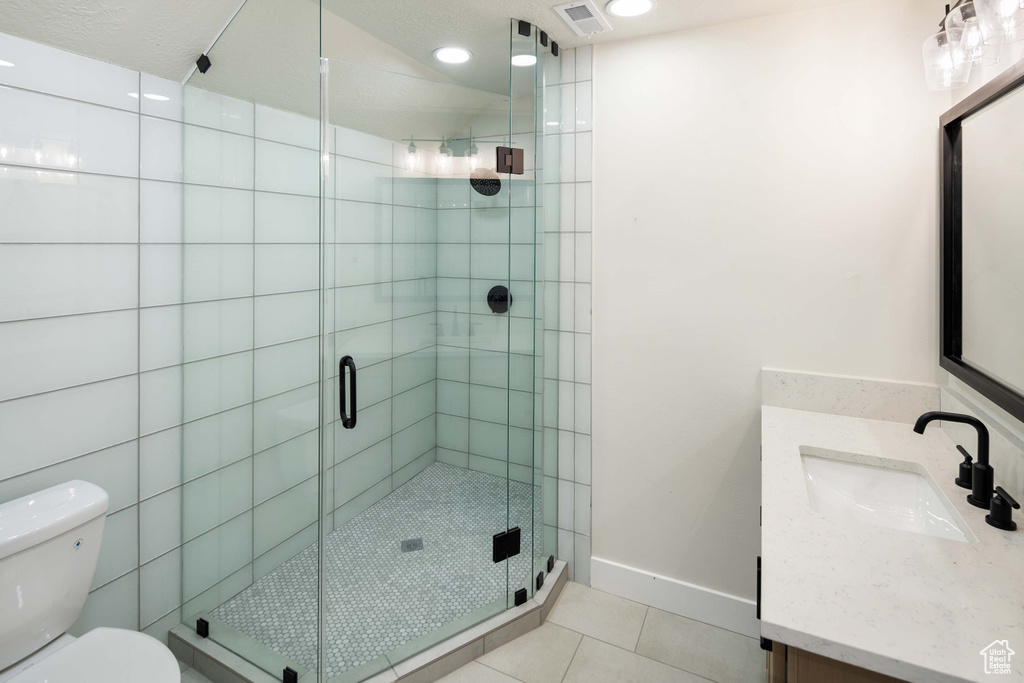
{"x":365,"y":359}
{"x":248,"y":310}
{"x":418,"y":483}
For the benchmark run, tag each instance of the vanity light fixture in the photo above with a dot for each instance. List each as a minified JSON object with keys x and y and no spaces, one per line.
{"x":945,"y":64}
{"x":965,"y":17}
{"x":1001,"y":21}
{"x":412,"y":156}
{"x":630,"y":8}
{"x":444,"y":157}
{"x":452,"y":55}
{"x":524,"y":60}
{"x":946,"y":61}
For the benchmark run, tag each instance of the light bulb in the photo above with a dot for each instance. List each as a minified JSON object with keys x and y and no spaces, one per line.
{"x":945,"y":64}
{"x":972,"y":43}
{"x":411,"y":157}
{"x":452,"y":55}
{"x":629,"y":8}
{"x":1000,"y":21}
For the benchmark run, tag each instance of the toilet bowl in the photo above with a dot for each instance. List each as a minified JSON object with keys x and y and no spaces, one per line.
{"x":49,"y":546}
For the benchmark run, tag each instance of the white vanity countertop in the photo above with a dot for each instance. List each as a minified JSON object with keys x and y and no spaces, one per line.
{"x":909,"y":605}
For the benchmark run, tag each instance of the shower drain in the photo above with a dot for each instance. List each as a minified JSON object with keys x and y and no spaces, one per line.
{"x":412,"y":544}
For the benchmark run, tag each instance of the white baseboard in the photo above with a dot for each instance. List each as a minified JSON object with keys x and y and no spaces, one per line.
{"x":685,"y":599}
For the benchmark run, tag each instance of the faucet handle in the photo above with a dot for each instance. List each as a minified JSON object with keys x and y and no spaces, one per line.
{"x":964,"y":480}
{"x":1001,"y":510}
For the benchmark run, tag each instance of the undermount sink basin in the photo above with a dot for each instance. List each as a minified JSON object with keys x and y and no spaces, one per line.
{"x":870,"y":490}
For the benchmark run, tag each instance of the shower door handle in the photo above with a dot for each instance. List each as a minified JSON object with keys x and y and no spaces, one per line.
{"x":346,"y":361}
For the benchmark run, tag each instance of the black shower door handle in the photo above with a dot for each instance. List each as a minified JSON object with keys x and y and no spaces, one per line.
{"x":346,"y":361}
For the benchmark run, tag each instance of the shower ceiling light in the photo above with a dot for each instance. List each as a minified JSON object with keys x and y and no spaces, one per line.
{"x":630,"y":8}
{"x":452,"y":55}
{"x":155,"y":98}
{"x":524,"y":60}
{"x":3,"y":63}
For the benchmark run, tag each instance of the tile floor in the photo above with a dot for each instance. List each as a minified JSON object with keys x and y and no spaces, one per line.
{"x":377,"y":597}
{"x":594,"y":637}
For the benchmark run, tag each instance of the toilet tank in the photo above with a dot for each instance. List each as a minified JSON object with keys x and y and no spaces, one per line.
{"x":49,"y":544}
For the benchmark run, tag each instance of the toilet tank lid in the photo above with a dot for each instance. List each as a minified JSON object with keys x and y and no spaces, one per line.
{"x":38,"y":517}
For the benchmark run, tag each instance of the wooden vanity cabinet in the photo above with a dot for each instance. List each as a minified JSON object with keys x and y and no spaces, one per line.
{"x":792,"y":665}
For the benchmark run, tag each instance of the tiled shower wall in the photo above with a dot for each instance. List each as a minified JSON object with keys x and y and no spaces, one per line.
{"x":159,"y":322}
{"x":483,"y":423}
{"x":385,"y":301}
{"x":574,"y":276}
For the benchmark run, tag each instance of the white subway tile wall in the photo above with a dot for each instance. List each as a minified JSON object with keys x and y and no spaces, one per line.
{"x":159,"y":295}
{"x":159,"y":269}
{"x":573,"y":226}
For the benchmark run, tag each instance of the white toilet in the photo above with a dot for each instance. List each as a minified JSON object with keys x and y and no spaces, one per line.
{"x":49,"y":544}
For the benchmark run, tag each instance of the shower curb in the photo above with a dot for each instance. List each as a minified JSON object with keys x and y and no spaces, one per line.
{"x":221,"y":665}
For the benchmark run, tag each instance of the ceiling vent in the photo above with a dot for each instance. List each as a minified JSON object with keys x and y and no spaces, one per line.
{"x":583,"y":18}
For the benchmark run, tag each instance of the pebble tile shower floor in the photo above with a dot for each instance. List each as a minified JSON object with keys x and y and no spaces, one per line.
{"x":377,"y":597}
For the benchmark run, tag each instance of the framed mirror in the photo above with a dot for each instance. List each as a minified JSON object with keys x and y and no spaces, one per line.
{"x":982,"y":241}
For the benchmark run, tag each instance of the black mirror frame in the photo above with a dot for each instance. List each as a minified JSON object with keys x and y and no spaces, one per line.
{"x":951,"y":245}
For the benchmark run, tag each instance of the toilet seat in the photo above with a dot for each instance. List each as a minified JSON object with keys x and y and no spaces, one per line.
{"x":106,"y":655}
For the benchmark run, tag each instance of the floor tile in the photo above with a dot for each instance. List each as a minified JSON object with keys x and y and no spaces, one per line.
{"x":598,"y":662}
{"x":540,"y":656}
{"x":600,"y":615}
{"x":193,"y":676}
{"x":711,"y":652}
{"x":378,"y":598}
{"x":477,"y":673}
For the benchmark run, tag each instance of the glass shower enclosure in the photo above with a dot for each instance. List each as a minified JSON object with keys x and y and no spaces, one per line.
{"x":368,"y":407}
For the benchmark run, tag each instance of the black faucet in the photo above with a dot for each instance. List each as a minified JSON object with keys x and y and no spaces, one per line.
{"x":981,"y":474}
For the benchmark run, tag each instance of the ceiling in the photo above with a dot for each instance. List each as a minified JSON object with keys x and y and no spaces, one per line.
{"x":267,"y":50}
{"x":164,"y":37}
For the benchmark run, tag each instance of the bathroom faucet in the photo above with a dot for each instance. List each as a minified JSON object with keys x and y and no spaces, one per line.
{"x":981,"y":474}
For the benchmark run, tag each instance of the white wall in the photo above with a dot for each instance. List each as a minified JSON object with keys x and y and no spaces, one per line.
{"x":765,"y":195}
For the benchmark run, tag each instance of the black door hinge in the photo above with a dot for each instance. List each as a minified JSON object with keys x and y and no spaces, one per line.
{"x":520,"y":596}
{"x":506,"y":544}
{"x":540,"y":580}
{"x":766,"y":644}
{"x":510,"y":160}
{"x":202,"y":628}
{"x":290,"y":675}
{"x":551,"y":563}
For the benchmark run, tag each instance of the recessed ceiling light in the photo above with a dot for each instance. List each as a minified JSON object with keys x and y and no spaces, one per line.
{"x":452,"y":55}
{"x":3,"y":63}
{"x":156,"y":98}
{"x":630,"y":8}
{"x":133,"y":95}
{"x":524,"y":60}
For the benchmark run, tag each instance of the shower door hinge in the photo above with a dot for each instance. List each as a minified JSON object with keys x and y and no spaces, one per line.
{"x":520,"y":597}
{"x":506,"y":544}
{"x":510,"y":160}
{"x":290,"y":675}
